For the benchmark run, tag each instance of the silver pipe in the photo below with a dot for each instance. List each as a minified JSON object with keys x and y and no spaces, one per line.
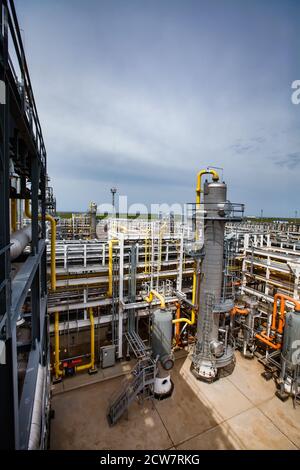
{"x":19,"y":240}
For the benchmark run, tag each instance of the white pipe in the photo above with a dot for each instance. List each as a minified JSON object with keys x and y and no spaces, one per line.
{"x":19,"y":240}
{"x":36,"y":419}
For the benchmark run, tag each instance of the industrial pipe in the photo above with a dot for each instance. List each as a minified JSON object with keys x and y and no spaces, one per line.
{"x":58,"y":371}
{"x":215,"y":177}
{"x":13,"y":214}
{"x":177,"y":326}
{"x":110,"y":266}
{"x":91,"y":364}
{"x":179,"y":319}
{"x":269,"y":340}
{"x":19,"y":240}
{"x":154,"y":293}
{"x":239,"y":311}
{"x":283,"y":298}
{"x":52,"y":221}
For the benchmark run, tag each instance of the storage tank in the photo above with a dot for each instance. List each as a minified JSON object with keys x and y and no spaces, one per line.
{"x":162,"y":348}
{"x":291,"y":339}
{"x":162,"y":337}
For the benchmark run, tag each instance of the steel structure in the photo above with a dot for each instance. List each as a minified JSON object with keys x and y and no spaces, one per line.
{"x":23,"y":290}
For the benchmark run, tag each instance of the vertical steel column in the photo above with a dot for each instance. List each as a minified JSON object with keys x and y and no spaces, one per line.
{"x":121,"y":303}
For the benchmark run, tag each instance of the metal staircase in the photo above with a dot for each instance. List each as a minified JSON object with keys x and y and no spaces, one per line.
{"x":141,"y":384}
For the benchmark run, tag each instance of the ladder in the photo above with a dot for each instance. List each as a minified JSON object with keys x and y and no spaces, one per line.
{"x":136,"y":344}
{"x":114,"y":306}
{"x":141,"y":383}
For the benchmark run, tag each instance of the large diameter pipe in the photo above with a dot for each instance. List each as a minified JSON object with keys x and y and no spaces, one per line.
{"x":19,"y":240}
{"x":36,"y":419}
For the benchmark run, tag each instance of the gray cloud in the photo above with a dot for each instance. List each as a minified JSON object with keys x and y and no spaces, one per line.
{"x":291,"y":161}
{"x":143,"y":94}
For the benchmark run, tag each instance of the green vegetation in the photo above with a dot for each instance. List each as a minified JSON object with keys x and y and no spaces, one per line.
{"x":291,"y":220}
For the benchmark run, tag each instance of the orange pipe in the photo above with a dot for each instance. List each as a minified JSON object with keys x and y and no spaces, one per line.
{"x":283,"y":298}
{"x":281,"y":320}
{"x":239,"y":311}
{"x":177,"y":325}
{"x":268,"y":342}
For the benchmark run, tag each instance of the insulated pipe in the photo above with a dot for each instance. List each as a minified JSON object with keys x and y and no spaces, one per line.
{"x":19,"y":240}
{"x":110,"y":266}
{"x":154,"y":293}
{"x":13,"y":214}
{"x":52,"y":221}
{"x":36,"y":418}
{"x":91,"y":364}
{"x":58,"y":372}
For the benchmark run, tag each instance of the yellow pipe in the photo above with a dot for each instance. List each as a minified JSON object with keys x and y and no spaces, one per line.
{"x":186,"y":320}
{"x":91,"y":364}
{"x":154,"y":293}
{"x":13,"y":214}
{"x":110,"y":266}
{"x":52,"y":221}
{"x":58,"y":372}
{"x":215,"y":177}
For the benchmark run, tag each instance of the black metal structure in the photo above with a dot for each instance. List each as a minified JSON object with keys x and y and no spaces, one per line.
{"x":22,"y":295}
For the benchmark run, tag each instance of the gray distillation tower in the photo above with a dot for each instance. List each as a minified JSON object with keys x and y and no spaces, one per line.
{"x":212,"y":351}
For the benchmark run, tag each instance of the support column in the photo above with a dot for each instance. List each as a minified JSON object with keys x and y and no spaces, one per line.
{"x":121,"y":303}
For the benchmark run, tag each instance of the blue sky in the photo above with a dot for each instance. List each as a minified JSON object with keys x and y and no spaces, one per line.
{"x":142,"y":94}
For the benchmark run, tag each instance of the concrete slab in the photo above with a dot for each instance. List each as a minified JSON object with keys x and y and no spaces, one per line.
{"x":285,"y":417}
{"x":221,"y":398}
{"x":80,"y":422}
{"x":80,"y":379}
{"x":184,"y":414}
{"x":120,"y":368}
{"x":220,"y":437}
{"x":221,"y":415}
{"x":256,"y":432}
{"x":247,"y":378}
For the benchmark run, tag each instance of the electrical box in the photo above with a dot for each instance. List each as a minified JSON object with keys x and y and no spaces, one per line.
{"x":107,"y":356}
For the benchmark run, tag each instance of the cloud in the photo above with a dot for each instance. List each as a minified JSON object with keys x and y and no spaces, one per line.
{"x":291,"y":161}
{"x":143,"y":95}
